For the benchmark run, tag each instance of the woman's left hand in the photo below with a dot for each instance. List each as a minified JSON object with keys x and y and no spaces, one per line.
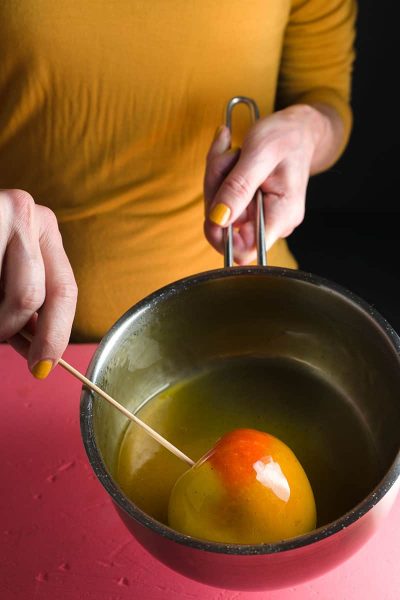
{"x":278,"y":155}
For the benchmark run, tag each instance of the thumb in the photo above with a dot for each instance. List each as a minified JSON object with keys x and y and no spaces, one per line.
{"x":238,"y":188}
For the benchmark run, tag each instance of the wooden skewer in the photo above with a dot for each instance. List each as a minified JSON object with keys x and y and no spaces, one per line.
{"x":156,"y":436}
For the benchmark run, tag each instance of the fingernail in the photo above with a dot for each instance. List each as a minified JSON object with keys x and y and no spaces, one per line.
{"x":42,"y":369}
{"x":218,"y":131}
{"x":220,"y":214}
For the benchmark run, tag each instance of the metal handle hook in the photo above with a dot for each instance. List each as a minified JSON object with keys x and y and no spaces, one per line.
{"x":258,"y":197}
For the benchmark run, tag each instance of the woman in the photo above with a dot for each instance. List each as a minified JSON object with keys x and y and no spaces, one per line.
{"x":106,"y":114}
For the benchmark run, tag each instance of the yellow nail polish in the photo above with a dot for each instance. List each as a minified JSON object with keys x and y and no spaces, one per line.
{"x":218,"y":131}
{"x":42,"y":369}
{"x":220,"y":214}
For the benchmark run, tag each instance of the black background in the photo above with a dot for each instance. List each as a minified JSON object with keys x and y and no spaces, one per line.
{"x":351,"y":230}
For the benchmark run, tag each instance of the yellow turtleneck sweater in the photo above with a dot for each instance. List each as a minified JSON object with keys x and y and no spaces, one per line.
{"x":108,"y":108}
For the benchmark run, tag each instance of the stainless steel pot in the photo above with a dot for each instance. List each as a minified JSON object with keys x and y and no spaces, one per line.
{"x":287,"y":314}
{"x":277,"y":313}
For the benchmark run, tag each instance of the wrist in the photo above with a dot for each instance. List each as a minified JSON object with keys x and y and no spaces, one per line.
{"x":321,"y":128}
{"x":326,"y":127}
{"x":315,"y":121}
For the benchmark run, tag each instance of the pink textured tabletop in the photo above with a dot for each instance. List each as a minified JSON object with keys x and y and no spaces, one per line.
{"x":61,"y":538}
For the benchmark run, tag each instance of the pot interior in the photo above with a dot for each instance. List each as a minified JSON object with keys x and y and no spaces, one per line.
{"x":320,"y":337}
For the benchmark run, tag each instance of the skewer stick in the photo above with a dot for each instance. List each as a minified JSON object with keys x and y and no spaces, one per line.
{"x":156,"y":436}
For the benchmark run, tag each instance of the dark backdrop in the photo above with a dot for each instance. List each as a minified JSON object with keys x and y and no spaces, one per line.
{"x":350,"y":233}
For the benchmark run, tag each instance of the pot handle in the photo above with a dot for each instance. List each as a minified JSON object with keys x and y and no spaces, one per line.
{"x":258,"y":196}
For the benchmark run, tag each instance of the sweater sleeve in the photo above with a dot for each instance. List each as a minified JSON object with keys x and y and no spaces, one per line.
{"x":317,"y":57}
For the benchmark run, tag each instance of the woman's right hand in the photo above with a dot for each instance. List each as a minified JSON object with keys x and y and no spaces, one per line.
{"x":37,"y":285}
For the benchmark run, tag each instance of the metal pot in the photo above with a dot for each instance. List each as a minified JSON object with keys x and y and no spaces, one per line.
{"x":287,"y":314}
{"x":239,"y":312}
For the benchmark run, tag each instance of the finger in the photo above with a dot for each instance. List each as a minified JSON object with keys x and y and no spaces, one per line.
{"x":20,"y":344}
{"x":244,"y":247}
{"x":220,"y":160}
{"x":215,"y":174}
{"x":283,"y":215}
{"x":217,"y":168}
{"x":215,"y":234}
{"x":214,"y":167}
{"x":22,"y":274}
{"x":285,"y":211}
{"x":220,"y":143}
{"x":235,"y":193}
{"x":54,"y":323}
{"x":284,"y":205}
{"x":244,"y":237}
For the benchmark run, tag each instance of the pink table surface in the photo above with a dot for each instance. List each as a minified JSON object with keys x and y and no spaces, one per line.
{"x":61,"y":538}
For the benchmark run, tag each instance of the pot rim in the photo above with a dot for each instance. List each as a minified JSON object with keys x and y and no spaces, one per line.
{"x":94,"y":455}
